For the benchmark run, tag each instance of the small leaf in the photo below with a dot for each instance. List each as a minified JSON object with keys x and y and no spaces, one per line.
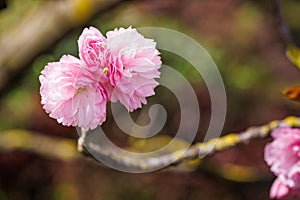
{"x":292,"y":93}
{"x":293,"y":54}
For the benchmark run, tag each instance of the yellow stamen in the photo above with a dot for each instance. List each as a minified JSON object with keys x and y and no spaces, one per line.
{"x":105,"y":70}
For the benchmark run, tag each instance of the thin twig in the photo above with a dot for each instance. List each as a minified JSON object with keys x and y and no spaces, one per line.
{"x":283,"y":28}
{"x":81,"y":141}
{"x":197,"y":150}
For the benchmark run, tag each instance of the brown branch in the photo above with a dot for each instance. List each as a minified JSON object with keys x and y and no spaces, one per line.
{"x":41,"y":30}
{"x":196,"y":151}
{"x":65,"y":149}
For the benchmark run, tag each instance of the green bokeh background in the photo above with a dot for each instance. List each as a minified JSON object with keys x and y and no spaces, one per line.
{"x":242,"y":38}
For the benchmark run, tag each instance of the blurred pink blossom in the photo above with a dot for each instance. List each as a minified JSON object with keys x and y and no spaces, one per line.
{"x":133,"y":63}
{"x":71,"y":95}
{"x":283,"y":156}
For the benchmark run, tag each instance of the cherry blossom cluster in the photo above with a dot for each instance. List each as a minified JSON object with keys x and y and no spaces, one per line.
{"x":283,"y":156}
{"x":120,"y":67}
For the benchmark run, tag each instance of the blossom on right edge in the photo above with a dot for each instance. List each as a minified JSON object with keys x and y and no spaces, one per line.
{"x":283,"y":156}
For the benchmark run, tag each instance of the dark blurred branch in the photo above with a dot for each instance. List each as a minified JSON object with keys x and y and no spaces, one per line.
{"x":3,"y":4}
{"x":283,"y":28}
{"x":196,"y":151}
{"x":41,"y":30}
{"x":50,"y":147}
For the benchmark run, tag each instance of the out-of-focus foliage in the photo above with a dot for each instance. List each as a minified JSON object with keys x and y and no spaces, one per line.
{"x":291,"y":14}
{"x":15,"y":12}
{"x":293,"y":53}
{"x":292,"y":93}
{"x":19,"y":104}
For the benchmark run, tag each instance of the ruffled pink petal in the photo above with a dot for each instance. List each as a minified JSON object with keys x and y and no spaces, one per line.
{"x":92,"y":44}
{"x":278,"y":190}
{"x":72,"y":95}
{"x":134,"y":62}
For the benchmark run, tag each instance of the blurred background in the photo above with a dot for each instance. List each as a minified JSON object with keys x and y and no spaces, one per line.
{"x":38,"y":157}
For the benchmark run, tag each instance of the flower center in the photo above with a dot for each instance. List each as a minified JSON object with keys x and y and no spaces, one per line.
{"x":105,"y":70}
{"x":80,"y":90}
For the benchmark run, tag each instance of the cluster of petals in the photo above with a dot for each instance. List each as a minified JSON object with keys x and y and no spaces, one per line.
{"x":120,"y":67}
{"x":283,"y":157}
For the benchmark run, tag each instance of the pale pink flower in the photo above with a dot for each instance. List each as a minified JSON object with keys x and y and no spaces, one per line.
{"x":71,"y":95}
{"x":283,"y":155}
{"x":133,"y":62}
{"x":121,"y":67}
{"x":91,"y":44}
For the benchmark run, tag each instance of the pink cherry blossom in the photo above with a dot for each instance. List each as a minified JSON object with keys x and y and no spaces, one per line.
{"x":91,"y":44}
{"x":283,"y":156}
{"x":71,"y":95}
{"x":133,"y":63}
{"x":121,"y":67}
